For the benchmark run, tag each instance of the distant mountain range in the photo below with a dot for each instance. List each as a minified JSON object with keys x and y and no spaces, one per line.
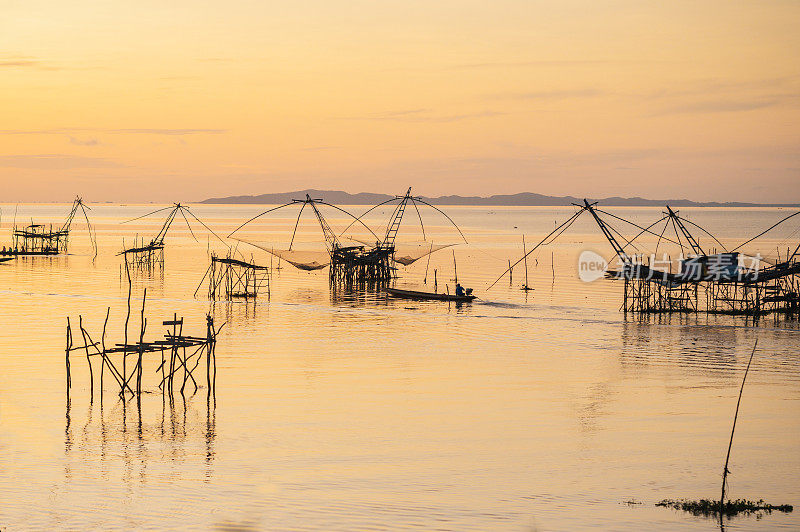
{"x":525,"y":199}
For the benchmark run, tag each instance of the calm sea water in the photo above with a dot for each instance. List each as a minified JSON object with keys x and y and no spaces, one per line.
{"x":335,"y":410}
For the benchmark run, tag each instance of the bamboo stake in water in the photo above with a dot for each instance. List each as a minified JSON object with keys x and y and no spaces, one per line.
{"x":730,"y":444}
{"x":425,"y":281}
{"x":525,"y":256}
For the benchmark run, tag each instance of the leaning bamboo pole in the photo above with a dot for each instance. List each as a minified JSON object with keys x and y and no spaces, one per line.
{"x":725,"y":471}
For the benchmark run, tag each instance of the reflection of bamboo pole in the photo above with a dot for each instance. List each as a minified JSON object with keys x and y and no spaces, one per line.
{"x":209,"y":339}
{"x":103,"y":346}
{"x":127,"y":319}
{"x":69,"y":347}
{"x":88,"y":360}
{"x":141,"y":347}
{"x":730,"y":444}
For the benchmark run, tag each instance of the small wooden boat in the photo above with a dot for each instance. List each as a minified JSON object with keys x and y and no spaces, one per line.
{"x":413,"y":294}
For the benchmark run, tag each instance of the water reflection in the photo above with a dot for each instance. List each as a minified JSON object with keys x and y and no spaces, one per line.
{"x":341,"y":408}
{"x":241,"y":311}
{"x":682,"y":341}
{"x":369,"y":294}
{"x":138,"y":434}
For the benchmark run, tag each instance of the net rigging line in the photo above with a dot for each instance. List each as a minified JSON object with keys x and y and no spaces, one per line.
{"x":677,"y":234}
{"x":419,"y":215}
{"x":619,"y":234}
{"x":634,"y":224}
{"x":259,"y":216}
{"x":358,"y":219}
{"x":446,"y":216}
{"x":703,"y":230}
{"x":565,"y":225}
{"x":640,"y":233}
{"x":658,"y":242}
{"x":348,"y":214}
{"x":765,"y":232}
{"x":304,"y":203}
{"x":174,"y":209}
{"x":414,"y":201}
{"x":291,"y":242}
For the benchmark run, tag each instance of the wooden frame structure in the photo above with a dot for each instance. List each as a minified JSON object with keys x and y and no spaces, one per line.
{"x":726,"y":287}
{"x":230,"y":278}
{"x":39,"y":239}
{"x":148,"y":256}
{"x":180,"y":355}
{"x":144,"y":256}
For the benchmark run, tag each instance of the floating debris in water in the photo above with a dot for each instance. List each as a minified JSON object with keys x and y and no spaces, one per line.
{"x":709,"y":508}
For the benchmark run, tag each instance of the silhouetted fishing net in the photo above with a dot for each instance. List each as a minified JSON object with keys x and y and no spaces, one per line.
{"x":408,"y":252}
{"x":302,"y":260}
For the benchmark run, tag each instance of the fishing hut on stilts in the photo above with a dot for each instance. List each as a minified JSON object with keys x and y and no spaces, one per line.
{"x":387,"y":251}
{"x":647,"y":290}
{"x":714,"y":283}
{"x":230,"y":278}
{"x":144,"y":256}
{"x":39,"y":239}
{"x":347,"y":264}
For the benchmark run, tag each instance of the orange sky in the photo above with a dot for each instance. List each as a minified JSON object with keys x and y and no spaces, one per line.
{"x":135,"y":101}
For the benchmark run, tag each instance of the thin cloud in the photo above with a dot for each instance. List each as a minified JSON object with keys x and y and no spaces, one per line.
{"x":36,"y":131}
{"x":133,"y":131}
{"x":320,"y":148}
{"x":56,"y":161}
{"x":20,"y":63}
{"x":562,"y":94}
{"x":390,"y":115}
{"x":159,"y":131}
{"x":535,"y":63}
{"x":720,"y":106}
{"x":25,"y":61}
{"x":717,"y":86}
{"x":79,"y":142}
{"x":422,"y":115}
{"x":456,"y":118}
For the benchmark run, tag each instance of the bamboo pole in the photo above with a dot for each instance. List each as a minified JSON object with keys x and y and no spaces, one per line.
{"x":725,"y":471}
{"x":525,"y":256}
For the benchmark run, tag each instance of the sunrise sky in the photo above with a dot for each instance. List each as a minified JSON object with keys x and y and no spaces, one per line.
{"x":183,"y":100}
